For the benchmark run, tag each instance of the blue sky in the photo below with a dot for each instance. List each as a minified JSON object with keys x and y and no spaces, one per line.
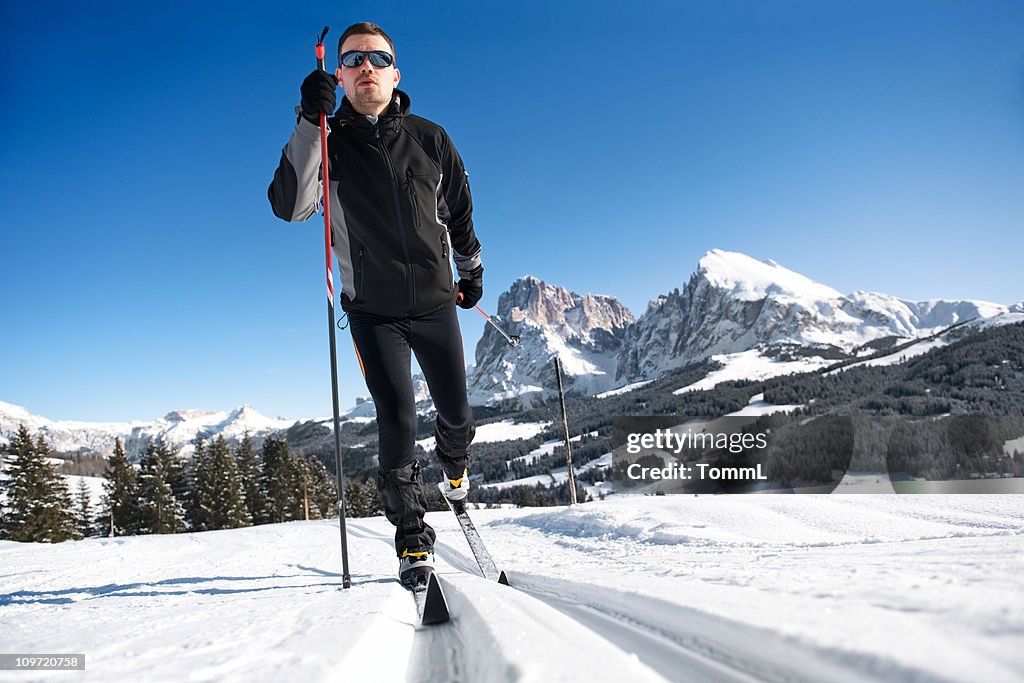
{"x":867,"y":145}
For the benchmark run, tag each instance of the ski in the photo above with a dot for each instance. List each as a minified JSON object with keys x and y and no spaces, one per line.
{"x":483,"y":558}
{"x":431,"y":605}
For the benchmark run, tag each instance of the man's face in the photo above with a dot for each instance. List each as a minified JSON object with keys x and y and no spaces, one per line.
{"x":369,"y":88}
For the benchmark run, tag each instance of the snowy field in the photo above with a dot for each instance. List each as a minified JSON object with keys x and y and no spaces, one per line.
{"x":497,"y":431}
{"x":751,"y":365}
{"x":743,"y":588}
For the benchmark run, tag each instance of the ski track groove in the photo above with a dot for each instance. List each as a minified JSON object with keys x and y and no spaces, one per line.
{"x":437,"y":654}
{"x":665,"y":655}
{"x":661,"y":652}
{"x":425,"y":663}
{"x":676,"y":654}
{"x":787,"y":660}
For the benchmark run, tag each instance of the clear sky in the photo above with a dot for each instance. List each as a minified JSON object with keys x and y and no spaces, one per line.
{"x":871,"y":145}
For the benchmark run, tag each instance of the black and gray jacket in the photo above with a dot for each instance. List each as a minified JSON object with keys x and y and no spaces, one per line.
{"x":400,"y":206}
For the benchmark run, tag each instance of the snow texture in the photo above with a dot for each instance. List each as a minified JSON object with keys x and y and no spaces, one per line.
{"x":734,"y":588}
{"x":751,"y":365}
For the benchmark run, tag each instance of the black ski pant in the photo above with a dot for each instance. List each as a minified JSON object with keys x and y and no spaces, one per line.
{"x":383,"y":346}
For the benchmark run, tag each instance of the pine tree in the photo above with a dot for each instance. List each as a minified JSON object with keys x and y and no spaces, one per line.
{"x":361,"y":500}
{"x":218,"y":492}
{"x":180,"y":476}
{"x":204,"y":485}
{"x":232,"y":500}
{"x":121,"y":495}
{"x":355,"y":500}
{"x":195,"y":474}
{"x":248,"y":464}
{"x":162,"y":512}
{"x":523,"y":497}
{"x":84,"y":523}
{"x":303,"y":486}
{"x":323,"y":490}
{"x":279,"y":482}
{"x":38,"y":505}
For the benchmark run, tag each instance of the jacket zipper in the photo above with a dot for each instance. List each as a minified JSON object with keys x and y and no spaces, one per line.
{"x":447,"y":261}
{"x":359,"y":279}
{"x":398,"y":215}
{"x":412,"y":195}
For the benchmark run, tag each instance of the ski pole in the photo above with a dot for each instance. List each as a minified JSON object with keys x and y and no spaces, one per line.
{"x":346,"y":578}
{"x":512,"y":339}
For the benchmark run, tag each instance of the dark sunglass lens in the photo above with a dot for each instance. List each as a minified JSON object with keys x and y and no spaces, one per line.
{"x":353,"y":58}
{"x":380,"y":59}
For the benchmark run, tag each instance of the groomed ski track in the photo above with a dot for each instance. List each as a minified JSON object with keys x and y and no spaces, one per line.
{"x":651,"y":639}
{"x":750,"y":588}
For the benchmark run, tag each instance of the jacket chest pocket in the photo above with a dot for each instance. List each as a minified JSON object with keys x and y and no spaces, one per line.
{"x":422,"y":190}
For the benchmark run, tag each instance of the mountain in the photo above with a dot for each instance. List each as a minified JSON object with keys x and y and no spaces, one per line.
{"x":757,"y":319}
{"x":734,"y":304}
{"x":178,"y":428}
{"x":585,"y":332}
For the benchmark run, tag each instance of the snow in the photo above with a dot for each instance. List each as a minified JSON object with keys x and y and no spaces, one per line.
{"x":757,"y":407}
{"x":1013,"y":445}
{"x":752,"y":365}
{"x":920,"y":348}
{"x":556,"y":477}
{"x":748,"y":279}
{"x":1006,"y":318}
{"x":632,"y":588}
{"x":506,"y":430}
{"x":547,"y":448}
{"x":625,"y":389}
{"x":94,"y":485}
{"x":927,"y":344}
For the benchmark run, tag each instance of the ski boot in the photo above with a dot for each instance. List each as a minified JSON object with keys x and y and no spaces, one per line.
{"x":455,"y":490}
{"x":416,"y":567}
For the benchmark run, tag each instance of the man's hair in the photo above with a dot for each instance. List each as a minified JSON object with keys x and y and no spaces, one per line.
{"x":364,"y":28}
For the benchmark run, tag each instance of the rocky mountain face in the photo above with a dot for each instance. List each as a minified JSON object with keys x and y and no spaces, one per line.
{"x":731,"y":304}
{"x":734,"y":303}
{"x":585,"y":332}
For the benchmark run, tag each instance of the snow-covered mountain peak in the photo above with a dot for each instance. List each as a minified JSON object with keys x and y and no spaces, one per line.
{"x":747,"y":279}
{"x":246,"y":413}
{"x":179,"y":428}
{"x":189,"y":415}
{"x":15,"y":412}
{"x":734,"y":304}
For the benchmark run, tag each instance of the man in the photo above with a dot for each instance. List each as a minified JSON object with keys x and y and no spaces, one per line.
{"x":400,"y":210}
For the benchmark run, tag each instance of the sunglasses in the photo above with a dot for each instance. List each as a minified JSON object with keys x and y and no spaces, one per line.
{"x":379,"y":58}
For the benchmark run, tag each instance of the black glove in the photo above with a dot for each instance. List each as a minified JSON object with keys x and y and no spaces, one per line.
{"x":471,"y":288}
{"x":318,"y":95}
